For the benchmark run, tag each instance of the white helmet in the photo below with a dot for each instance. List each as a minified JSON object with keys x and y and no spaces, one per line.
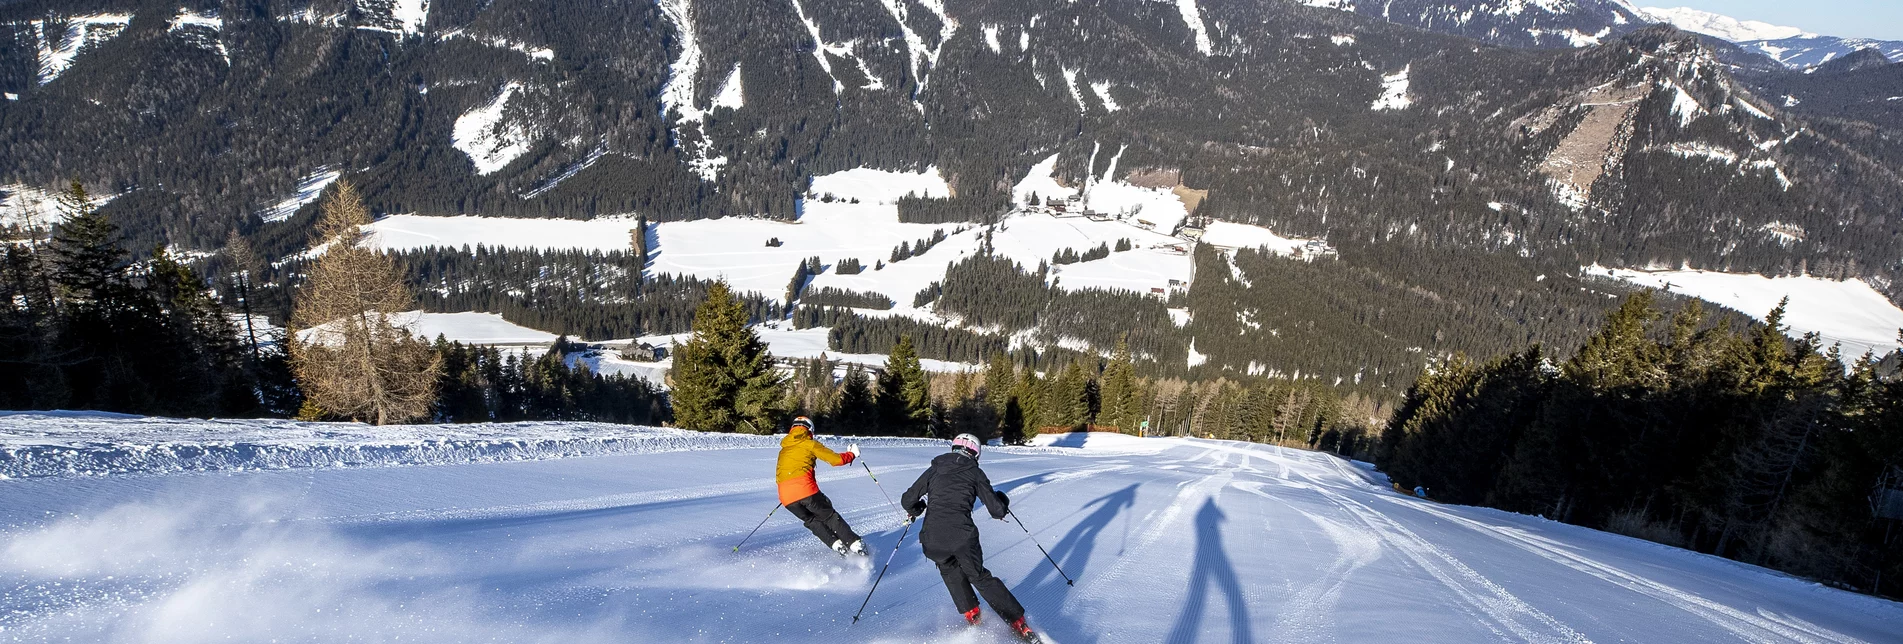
{"x":969,"y":443}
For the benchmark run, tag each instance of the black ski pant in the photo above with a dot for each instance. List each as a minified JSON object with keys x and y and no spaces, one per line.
{"x":963,"y":567}
{"x":817,"y":513}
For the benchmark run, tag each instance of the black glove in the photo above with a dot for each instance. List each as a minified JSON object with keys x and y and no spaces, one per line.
{"x":1004,"y":502}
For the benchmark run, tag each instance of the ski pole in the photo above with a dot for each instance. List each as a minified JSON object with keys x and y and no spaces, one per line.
{"x":888,"y":564}
{"x":875,"y":481}
{"x":769,"y":515}
{"x":1040,"y":548}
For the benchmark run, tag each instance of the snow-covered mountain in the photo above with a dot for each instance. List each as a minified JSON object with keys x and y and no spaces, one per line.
{"x":727,"y":126}
{"x":1788,"y":45}
{"x":1722,"y":26}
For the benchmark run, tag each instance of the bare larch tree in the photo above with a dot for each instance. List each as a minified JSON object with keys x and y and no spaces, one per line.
{"x":358,"y":359}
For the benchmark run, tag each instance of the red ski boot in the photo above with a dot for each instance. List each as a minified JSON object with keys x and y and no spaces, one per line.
{"x":1023,"y":630}
{"x":971,"y":616}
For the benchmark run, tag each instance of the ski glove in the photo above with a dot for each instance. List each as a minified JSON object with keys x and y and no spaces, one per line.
{"x":854,"y":448}
{"x":1003,"y":501}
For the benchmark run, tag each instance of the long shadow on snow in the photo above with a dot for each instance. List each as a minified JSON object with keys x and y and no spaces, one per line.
{"x":413,"y":528}
{"x":1212,"y":567}
{"x":1045,"y":589}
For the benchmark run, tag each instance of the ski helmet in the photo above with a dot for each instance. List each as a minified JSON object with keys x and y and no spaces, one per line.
{"x":805,"y":422}
{"x":970,"y":444}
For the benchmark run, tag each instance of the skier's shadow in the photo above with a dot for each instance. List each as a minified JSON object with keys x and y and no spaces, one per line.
{"x":1074,"y":552}
{"x":1212,"y":567}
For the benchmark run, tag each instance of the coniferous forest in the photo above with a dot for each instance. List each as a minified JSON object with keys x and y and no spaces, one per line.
{"x":1739,"y":442}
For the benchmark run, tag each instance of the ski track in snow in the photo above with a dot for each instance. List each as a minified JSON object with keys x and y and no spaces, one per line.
{"x":1168,"y":540}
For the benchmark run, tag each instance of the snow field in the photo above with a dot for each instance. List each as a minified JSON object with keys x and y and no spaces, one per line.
{"x":1168,"y":540}
{"x":1394,"y":91}
{"x":308,"y":190}
{"x":55,"y":57}
{"x":1850,"y":313}
{"x":417,"y":232}
{"x":880,"y":186}
{"x":491,"y":142}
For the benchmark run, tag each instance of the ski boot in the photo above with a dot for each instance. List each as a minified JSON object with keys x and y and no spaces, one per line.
{"x":972,"y":616}
{"x":1024,"y":632}
{"x":858,"y":548}
{"x":839,"y":547}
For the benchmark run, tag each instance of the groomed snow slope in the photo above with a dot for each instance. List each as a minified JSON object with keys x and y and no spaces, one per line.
{"x":1169,"y":540}
{"x":1851,"y":312}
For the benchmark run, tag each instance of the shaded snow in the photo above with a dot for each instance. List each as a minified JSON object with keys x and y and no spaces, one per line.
{"x":308,"y":190}
{"x":1394,"y":91}
{"x":1850,"y":313}
{"x":491,"y":140}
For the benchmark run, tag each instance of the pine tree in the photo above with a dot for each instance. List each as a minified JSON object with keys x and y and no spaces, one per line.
{"x":1000,"y":381}
{"x":1120,"y":407}
{"x":856,"y":413}
{"x":359,"y":361}
{"x":723,"y":378}
{"x":904,"y":398}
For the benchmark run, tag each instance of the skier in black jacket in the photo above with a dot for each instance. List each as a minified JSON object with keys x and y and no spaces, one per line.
{"x":949,"y":537}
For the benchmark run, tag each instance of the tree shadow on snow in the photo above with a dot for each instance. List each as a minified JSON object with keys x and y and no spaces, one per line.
{"x":1212,"y":567}
{"x":1044,"y":588}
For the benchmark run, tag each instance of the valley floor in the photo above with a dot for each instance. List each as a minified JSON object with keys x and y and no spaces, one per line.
{"x":1170,"y":540}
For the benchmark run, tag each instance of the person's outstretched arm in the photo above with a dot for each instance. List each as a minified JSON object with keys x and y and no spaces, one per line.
{"x":913,"y":500}
{"x":835,"y":458}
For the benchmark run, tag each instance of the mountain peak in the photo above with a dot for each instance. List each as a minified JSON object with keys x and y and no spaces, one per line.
{"x":1722,"y":26}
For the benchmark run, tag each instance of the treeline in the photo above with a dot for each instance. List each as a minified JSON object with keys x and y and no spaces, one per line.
{"x":486,"y":384}
{"x":588,"y":294}
{"x":1739,"y":443}
{"x":87,"y":325}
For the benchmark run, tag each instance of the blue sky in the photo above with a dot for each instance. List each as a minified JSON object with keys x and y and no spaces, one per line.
{"x":1859,"y":18}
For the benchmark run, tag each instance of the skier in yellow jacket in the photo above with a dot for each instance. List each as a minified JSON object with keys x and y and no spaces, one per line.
{"x":799,"y":490}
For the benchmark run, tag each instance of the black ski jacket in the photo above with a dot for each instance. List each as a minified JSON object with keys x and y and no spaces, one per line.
{"x":947,"y":489}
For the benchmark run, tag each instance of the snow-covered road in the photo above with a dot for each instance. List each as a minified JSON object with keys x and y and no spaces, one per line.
{"x":1169,"y":541}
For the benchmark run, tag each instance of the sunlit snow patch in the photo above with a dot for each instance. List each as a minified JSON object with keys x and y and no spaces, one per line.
{"x":56,"y":54}
{"x":1103,"y":94}
{"x":1850,"y":313}
{"x":731,"y":94}
{"x":880,"y":186}
{"x":1394,"y":91}
{"x":202,"y":29}
{"x":415,"y":232}
{"x":467,"y":328}
{"x":402,"y":17}
{"x":484,"y":134}
{"x":308,"y":190}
